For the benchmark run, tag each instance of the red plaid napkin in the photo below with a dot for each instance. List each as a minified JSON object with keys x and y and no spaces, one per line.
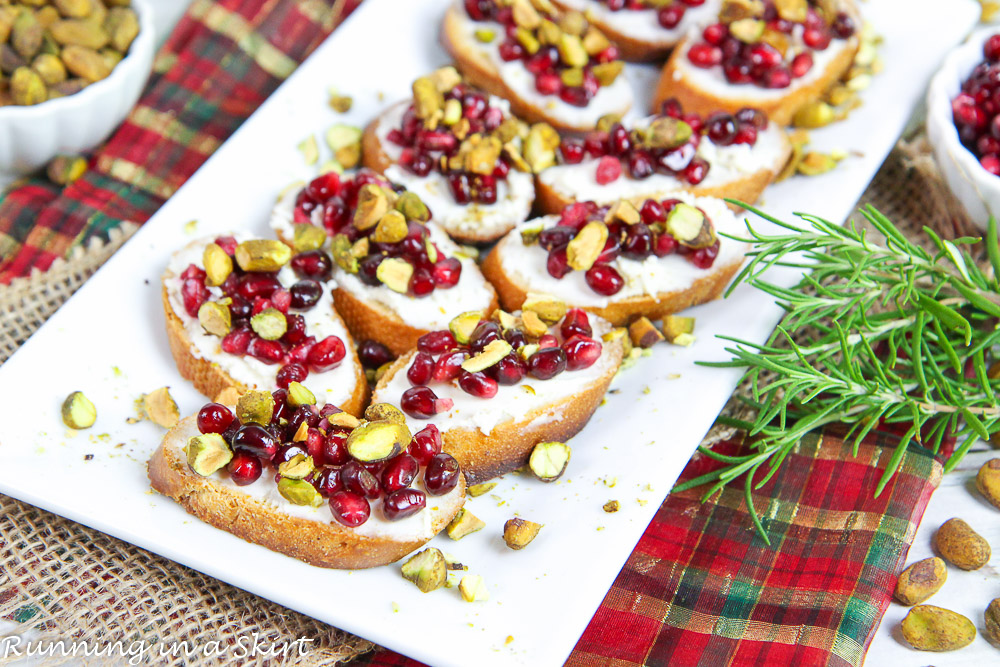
{"x":701,"y":587}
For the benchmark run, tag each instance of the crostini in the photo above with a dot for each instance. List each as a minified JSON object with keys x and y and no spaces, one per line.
{"x":447,"y":145}
{"x":324,"y":487}
{"x":622,"y":261}
{"x":551,"y":66}
{"x":724,"y":155}
{"x":774,"y":55}
{"x":645,"y":30}
{"x":492,"y":388}
{"x":247,"y":313}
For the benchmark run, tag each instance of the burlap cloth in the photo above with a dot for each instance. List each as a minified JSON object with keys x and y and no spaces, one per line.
{"x":61,"y":580}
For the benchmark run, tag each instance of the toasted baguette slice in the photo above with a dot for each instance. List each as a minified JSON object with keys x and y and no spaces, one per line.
{"x":638,"y":33}
{"x":706,"y":90}
{"x":201,"y":360}
{"x":482,"y":66}
{"x":735,"y":172}
{"x":515,"y":269}
{"x":491,"y":437}
{"x":257,"y":514}
{"x":398,"y":320}
{"x":466,"y":223}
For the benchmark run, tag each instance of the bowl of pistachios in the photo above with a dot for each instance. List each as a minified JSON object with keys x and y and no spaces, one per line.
{"x":70,"y":71}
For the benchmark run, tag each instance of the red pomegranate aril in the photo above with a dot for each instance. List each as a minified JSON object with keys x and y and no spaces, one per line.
{"x":460,"y":190}
{"x":193,"y":294}
{"x":335,"y":449}
{"x":403,"y":503}
{"x":350,"y":509}
{"x":478,"y":384}
{"x":670,"y":16}
{"x":287,"y":452}
{"x":194,"y":272}
{"x":254,"y":285}
{"x":608,"y":170}
{"x":638,"y":242}
{"x":572,"y":150}
{"x":621,"y":143}
{"x":548,"y":83}
{"x":421,"y":282}
{"x":705,"y":55}
{"x":420,"y":368}
{"x":715,"y":33}
{"x":640,"y":165}
{"x":281,"y":299}
{"x":751,"y":116}
{"x":244,"y":468}
{"x":652,"y":212}
{"x":447,"y":272}
{"x":436,"y":342}
{"x":314,"y":444}
{"x":696,"y":171}
{"x":801,"y":64}
{"x":721,"y":128}
{"x":671,"y":107}
{"x":604,"y":279}
{"x":214,"y":418}
{"x":737,"y":71}
{"x":399,"y":472}
{"x":967,"y":112}
{"x":492,"y":119}
{"x":576,"y":321}
{"x":295,"y":332}
{"x":548,"y":363}
{"x":557,"y":263}
{"x":581,"y":352}
{"x":425,"y":444}
{"x":326,"y":354}
{"x":294,"y":372}
{"x":256,"y":440}
{"x":448,"y":365}
{"x":436,"y":141}
{"x":747,"y":134}
{"x":300,"y":352}
{"x":323,"y":187}
{"x":239,"y":309}
{"x":484,"y":334}
{"x":596,"y":143}
{"x":373,"y":354}
{"x":677,"y":159}
{"x":548,"y":340}
{"x":705,"y":257}
{"x":327,"y":481}
{"x":987,"y":144}
{"x":991,"y":48}
{"x":441,"y":475}
{"x":422,"y":403}
{"x":358,"y":479}
{"x":266,"y":351}
{"x":816,"y":38}
{"x":305,"y":294}
{"x":764,"y":56}
{"x":280,"y":410}
{"x":509,"y":370}
{"x":664,"y":245}
{"x":611,"y":250}
{"x":577,"y":96}
{"x":991,"y":163}
{"x":335,"y":214}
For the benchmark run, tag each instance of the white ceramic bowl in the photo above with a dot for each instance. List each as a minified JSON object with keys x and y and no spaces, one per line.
{"x":30,"y":136}
{"x":976,"y":188}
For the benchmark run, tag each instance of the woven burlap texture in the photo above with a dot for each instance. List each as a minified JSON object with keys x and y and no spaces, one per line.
{"x":61,"y":580}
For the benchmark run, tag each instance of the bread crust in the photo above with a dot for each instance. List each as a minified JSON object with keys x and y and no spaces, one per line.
{"x":375,"y":321}
{"x":620,"y":313}
{"x":509,"y":444}
{"x":631,"y":49}
{"x":480,"y":72}
{"x":778,"y":109}
{"x":375,"y":158}
{"x":321,"y":544}
{"x":209,"y":378}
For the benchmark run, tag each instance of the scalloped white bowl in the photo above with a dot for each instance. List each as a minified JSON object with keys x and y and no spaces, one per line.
{"x":976,"y":188}
{"x":30,"y":136}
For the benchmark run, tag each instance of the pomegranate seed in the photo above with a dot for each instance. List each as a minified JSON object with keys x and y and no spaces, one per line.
{"x":257,"y":285}
{"x":696,"y":171}
{"x":421,"y":282}
{"x":295,"y":332}
{"x":227,"y":243}
{"x":335,"y":449}
{"x":816,"y":38}
{"x":447,"y":272}
{"x":577,"y":96}
{"x":323,"y":187}
{"x":193,"y":293}
{"x":611,"y":249}
{"x":422,"y":403}
{"x":420,"y":368}
{"x":557,"y":263}
{"x":705,"y":257}
{"x":326,"y":354}
{"x":315,"y":442}
{"x":436,"y":342}
{"x":721,"y":129}
{"x":545,"y":364}
{"x":575,"y":322}
{"x":755,"y":117}
{"x":403,"y":503}
{"x":350,"y":509}
{"x":460,"y":190}
{"x":436,"y":141}
{"x":425,"y":444}
{"x":546,"y":341}
{"x":987,"y":144}
{"x":294,"y":372}
{"x":596,"y":143}
{"x":575,"y":215}
{"x":509,"y":370}
{"x":801,"y":64}
{"x":193,"y":272}
{"x":764,"y":56}
{"x":214,"y":418}
{"x":548,"y":83}
{"x":640,"y":165}
{"x":244,"y":468}
{"x":608,"y":170}
{"x":300,"y":353}
{"x":665,"y":244}
{"x":237,"y":340}
{"x":621,"y":143}
{"x":608,"y":55}
{"x":715,"y":33}
{"x":670,"y":16}
{"x":671,"y":107}
{"x":335,"y":214}
{"x":604,"y":279}
{"x":571,"y":150}
{"x":555,"y":236}
{"x":373,"y":354}
{"x":288,"y":452}
{"x":484,"y":334}
{"x":705,"y":55}
{"x":967,"y":112}
{"x":581,"y":352}
{"x":737,"y":71}
{"x":991,"y":163}
{"x":441,"y":475}
{"x":327,"y":482}
{"x":652,"y":212}
{"x":256,"y":440}
{"x":358,"y":479}
{"x":399,"y":472}
{"x":843,"y":27}
{"x":478,"y":384}
{"x":747,"y":134}
{"x":266,"y":351}
{"x":492,"y":119}
{"x":304,"y":294}
{"x":448,"y":365}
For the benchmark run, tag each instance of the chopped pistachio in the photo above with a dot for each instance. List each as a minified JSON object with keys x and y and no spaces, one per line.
{"x":586,"y":246}
{"x":485,"y":35}
{"x":391,"y":228}
{"x":477,"y":490}
{"x":643,"y":333}
{"x":533,"y":324}
{"x":518,"y":533}
{"x":218,"y":265}
{"x":473,"y":588}
{"x":207,"y":453}
{"x":297,"y":467}
{"x":384,"y":412}
{"x":299,"y":492}
{"x":340,"y":103}
{"x":308,"y":237}
{"x":689,"y":226}
{"x":395,"y":273}
{"x":427,"y":569}
{"x":548,"y":308}
{"x":491,"y":354}
{"x":375,"y":441}
{"x":674,"y":326}
{"x":255,"y":406}
{"x":612,"y":506}
{"x":462,"y":326}
{"x":310,"y":150}
{"x":262,"y":255}
{"x":548,"y":460}
{"x":606,"y":73}
{"x":464,"y":523}
{"x":814,"y":114}
{"x":412,"y":208}
{"x":215,"y":318}
{"x":299,"y":394}
{"x":78,"y":412}
{"x":373,"y":203}
{"x":269,"y":324}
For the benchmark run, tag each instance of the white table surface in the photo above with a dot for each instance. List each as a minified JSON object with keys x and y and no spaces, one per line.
{"x":965,"y":592}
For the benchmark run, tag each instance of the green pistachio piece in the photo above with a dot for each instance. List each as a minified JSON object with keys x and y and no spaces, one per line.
{"x":462,"y":326}
{"x":308,"y":237}
{"x":262,"y":255}
{"x":395,"y":273}
{"x":380,"y":412}
{"x":412,"y":208}
{"x":587,"y":245}
{"x":269,"y":324}
{"x":376,"y":441}
{"x":78,"y":412}
{"x":215,"y":318}
{"x":255,"y":406}
{"x":299,"y":492}
{"x":298,"y":395}
{"x":207,"y":453}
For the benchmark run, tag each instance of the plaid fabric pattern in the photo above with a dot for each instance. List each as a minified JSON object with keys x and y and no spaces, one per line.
{"x":703,"y":589}
{"x":221,"y":62}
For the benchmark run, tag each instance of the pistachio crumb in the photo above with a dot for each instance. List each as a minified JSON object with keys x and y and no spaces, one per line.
{"x":191,"y":226}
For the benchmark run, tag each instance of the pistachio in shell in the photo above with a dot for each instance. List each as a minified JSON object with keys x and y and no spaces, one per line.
{"x":85,"y":63}
{"x":549,"y":460}
{"x":464,"y":523}
{"x":7,"y":16}
{"x":10,"y":60}
{"x":961,"y":546}
{"x":262,"y":255}
{"x":207,"y":453}
{"x":519,"y":533}
{"x":74,"y":9}
{"x":930,"y":628}
{"x":255,"y":406}
{"x":920,"y":581}
{"x":299,"y":492}
{"x":68,"y":87}
{"x":988,"y":481}
{"x":215,"y":318}
{"x":384,"y":412}
{"x":427,"y":569}
{"x":122,"y":27}
{"x":78,"y":412}
{"x":27,"y":87}
{"x":376,"y":441}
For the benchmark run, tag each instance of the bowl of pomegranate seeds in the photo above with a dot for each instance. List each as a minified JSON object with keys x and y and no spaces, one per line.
{"x":963,"y":123}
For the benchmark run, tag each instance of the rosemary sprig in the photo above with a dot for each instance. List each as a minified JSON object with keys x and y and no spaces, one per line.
{"x":878,"y":332}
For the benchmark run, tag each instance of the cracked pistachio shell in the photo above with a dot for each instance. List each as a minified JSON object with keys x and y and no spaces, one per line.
{"x":920,"y":581}
{"x":50,"y":68}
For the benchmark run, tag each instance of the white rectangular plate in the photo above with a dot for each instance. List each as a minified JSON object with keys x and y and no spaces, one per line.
{"x":109,"y":342}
